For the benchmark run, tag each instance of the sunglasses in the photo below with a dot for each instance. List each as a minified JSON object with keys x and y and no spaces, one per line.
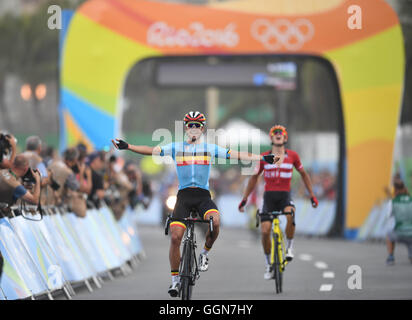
{"x":277,"y":131}
{"x":194,"y":125}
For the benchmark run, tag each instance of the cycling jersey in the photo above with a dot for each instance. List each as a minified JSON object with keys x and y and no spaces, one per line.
{"x":278,"y":177}
{"x":193,"y":162}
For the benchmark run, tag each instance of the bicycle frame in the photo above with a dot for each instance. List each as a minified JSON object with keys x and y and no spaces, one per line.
{"x":276,"y":230}
{"x":277,"y":253}
{"x":188,"y":269}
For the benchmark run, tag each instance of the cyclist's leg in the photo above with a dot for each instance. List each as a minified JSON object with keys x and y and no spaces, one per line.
{"x":270,"y":203}
{"x":209,"y":209}
{"x":289,"y":207}
{"x":177,"y":230}
{"x":266,"y":229}
{"x":290,"y":225}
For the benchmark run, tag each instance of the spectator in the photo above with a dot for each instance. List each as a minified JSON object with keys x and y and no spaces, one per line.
{"x":7,"y":148}
{"x":401,"y":213}
{"x":135,"y":177}
{"x":121,"y":185}
{"x":33,"y":151}
{"x":48,"y":154}
{"x":96,"y":163}
{"x":68,"y":188}
{"x":85,"y":180}
{"x":11,"y":189}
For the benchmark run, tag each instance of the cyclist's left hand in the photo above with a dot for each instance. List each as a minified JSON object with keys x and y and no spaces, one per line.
{"x":120,"y":144}
{"x":314,"y":201}
{"x":242,"y":205}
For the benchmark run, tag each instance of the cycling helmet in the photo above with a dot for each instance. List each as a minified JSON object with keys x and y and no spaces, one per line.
{"x":194,"y":116}
{"x":278,"y":127}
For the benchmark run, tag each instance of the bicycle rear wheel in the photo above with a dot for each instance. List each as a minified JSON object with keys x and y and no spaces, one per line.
{"x":187,"y":272}
{"x":277,"y":273}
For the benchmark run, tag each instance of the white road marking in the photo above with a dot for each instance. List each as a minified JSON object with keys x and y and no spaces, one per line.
{"x":321,"y":265}
{"x":326,"y":287}
{"x":305,"y":257}
{"x":329,"y":274}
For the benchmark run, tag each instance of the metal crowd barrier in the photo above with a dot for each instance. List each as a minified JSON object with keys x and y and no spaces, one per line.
{"x":309,"y":221}
{"x":57,"y":251}
{"x":378,"y":223}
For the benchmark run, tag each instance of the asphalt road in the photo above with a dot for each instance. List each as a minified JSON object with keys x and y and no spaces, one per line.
{"x":320,"y":270}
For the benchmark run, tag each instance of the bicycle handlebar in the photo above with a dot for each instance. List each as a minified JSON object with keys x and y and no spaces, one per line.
{"x":170,"y":219}
{"x":273,"y":214}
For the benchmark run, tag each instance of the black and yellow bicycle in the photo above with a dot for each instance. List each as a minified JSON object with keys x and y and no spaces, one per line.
{"x":278,"y":249}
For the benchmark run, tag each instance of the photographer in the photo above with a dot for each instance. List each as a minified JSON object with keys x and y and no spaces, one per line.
{"x":7,"y":147}
{"x":10,"y":187}
{"x":68,"y":189}
{"x":96,"y":163}
{"x":120,"y":187}
{"x":33,"y":151}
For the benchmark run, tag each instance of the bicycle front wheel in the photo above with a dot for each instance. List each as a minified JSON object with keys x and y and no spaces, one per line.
{"x":186,"y":272}
{"x":277,"y":273}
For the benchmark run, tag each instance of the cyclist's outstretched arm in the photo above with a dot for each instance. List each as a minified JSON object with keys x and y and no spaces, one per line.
{"x":308,"y":185}
{"x":145,"y":150}
{"x":242,"y":155}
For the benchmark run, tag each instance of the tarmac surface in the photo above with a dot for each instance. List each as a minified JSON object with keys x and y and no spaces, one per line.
{"x":322,"y":269}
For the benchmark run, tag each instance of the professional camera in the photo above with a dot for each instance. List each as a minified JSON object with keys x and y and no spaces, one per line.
{"x":29,"y":178}
{"x":5,"y":146}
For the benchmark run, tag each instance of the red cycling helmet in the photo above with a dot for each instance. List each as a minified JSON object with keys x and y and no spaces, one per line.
{"x":195,"y":116}
{"x":278,"y":127}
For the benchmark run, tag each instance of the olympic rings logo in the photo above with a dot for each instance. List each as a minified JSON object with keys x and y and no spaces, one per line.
{"x":282,"y":33}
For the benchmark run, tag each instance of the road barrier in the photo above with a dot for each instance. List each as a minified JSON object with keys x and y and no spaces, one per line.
{"x":377,"y":224}
{"x":61,"y":251}
{"x":309,"y":221}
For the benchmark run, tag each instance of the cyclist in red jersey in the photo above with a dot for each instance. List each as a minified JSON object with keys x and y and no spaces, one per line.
{"x":277,"y":190}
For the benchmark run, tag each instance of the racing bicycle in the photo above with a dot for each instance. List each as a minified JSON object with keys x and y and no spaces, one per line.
{"x":188,"y":270}
{"x":278,"y":248}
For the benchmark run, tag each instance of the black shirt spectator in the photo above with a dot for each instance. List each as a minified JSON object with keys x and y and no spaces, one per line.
{"x":96,"y":163}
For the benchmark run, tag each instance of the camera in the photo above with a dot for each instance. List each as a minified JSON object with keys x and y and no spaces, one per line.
{"x":29,"y":178}
{"x":5,"y":146}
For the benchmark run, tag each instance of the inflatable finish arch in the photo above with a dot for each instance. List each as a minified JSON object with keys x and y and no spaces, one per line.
{"x":106,"y":38}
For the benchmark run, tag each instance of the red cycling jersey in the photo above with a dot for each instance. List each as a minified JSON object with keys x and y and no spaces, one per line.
{"x":278,"y":177}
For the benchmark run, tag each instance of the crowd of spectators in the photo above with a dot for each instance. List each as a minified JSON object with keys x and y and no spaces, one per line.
{"x":78,"y":179}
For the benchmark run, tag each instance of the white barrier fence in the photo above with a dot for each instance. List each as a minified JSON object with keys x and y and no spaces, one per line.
{"x":378,"y":223}
{"x":309,"y":221}
{"x":63,"y":250}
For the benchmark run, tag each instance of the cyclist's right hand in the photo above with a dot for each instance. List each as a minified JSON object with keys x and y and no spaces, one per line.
{"x":120,"y":144}
{"x":242,"y":205}
{"x":271,"y":158}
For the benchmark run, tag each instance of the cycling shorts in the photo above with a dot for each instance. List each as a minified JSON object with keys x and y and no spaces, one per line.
{"x":193,"y":198}
{"x":276,"y":201}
